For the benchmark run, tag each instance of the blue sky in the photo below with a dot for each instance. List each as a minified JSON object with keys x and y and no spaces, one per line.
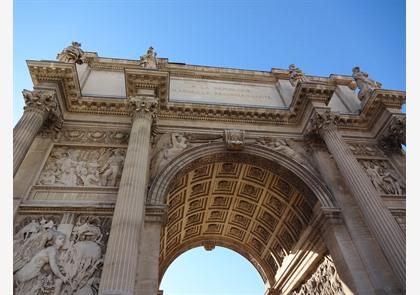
{"x":321,"y":37}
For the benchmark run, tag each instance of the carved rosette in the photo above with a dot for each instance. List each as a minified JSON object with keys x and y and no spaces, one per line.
{"x":42,"y":100}
{"x":324,"y":280}
{"x":394,"y":137}
{"x":142,"y":107}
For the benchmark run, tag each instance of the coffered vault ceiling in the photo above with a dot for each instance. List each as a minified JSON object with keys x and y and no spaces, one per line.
{"x":246,"y":208}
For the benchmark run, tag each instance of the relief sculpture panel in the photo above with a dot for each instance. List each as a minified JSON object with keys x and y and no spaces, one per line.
{"x":59,"y":255}
{"x":324,"y":281}
{"x":383,"y":177}
{"x":71,"y":166}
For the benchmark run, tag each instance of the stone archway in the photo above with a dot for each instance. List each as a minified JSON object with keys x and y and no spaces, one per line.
{"x":256,"y":202}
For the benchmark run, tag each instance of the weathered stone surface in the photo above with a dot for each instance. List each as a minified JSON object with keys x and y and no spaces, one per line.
{"x":181,"y":156}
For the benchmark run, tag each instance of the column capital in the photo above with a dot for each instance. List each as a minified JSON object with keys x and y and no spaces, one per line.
{"x":142,"y":106}
{"x":319,"y":122}
{"x":394,"y":135}
{"x":42,"y":100}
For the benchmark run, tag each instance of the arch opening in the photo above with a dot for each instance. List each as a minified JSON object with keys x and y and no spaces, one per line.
{"x":219,"y":271}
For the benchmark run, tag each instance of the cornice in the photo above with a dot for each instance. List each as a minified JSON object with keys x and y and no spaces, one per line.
{"x":317,"y":91}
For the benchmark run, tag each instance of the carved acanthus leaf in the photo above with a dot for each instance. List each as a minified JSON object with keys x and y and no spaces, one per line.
{"x":43,"y":100}
{"x":142,"y":106}
{"x":320,"y":122}
{"x":394,"y":137}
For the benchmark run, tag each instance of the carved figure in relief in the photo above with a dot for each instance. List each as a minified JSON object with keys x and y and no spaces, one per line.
{"x":46,"y":256}
{"x":111,"y":169}
{"x":167,"y":147}
{"x":42,"y":266}
{"x":28,"y":230}
{"x":149,"y":60}
{"x":84,"y":167}
{"x":365,"y":85}
{"x":283,"y":146}
{"x":382,"y":178}
{"x":373,"y":172}
{"x":82,"y":231}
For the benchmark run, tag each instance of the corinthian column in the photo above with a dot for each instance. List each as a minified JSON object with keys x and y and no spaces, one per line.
{"x":39,"y":104}
{"x":119,"y":271}
{"x":378,"y":218}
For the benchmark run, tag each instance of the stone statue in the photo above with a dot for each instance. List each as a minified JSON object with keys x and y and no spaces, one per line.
{"x":72,"y":54}
{"x":365,"y":85}
{"x":148,"y":60}
{"x":296,"y":75}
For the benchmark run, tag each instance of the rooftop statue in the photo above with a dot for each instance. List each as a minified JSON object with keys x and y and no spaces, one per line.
{"x":365,"y":85}
{"x":296,"y":75}
{"x":72,"y":54}
{"x":149,"y":60}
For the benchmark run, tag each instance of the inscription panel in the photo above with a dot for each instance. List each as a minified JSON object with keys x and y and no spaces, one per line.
{"x":223,"y":92}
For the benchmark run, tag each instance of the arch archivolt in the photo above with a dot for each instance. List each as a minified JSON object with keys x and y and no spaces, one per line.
{"x":256,"y":202}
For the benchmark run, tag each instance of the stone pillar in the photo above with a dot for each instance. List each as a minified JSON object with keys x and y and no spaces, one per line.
{"x":119,"y":271}
{"x":39,"y":104}
{"x":381,"y":223}
{"x":377,"y":268}
{"x":147,"y":282}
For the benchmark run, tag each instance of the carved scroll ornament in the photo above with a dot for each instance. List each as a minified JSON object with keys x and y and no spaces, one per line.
{"x":50,"y":260}
{"x":83,"y":167}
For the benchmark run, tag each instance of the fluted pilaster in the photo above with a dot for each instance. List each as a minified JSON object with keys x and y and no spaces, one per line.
{"x":378,"y":218}
{"x":39,"y":104}
{"x":120,"y":264}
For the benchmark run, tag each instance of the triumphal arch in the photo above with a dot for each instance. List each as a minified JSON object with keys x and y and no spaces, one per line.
{"x":122,"y":165}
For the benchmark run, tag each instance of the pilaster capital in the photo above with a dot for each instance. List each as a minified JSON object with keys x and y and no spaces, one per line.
{"x":321,"y":122}
{"x":394,"y":135}
{"x":142,"y":107}
{"x":42,"y":100}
